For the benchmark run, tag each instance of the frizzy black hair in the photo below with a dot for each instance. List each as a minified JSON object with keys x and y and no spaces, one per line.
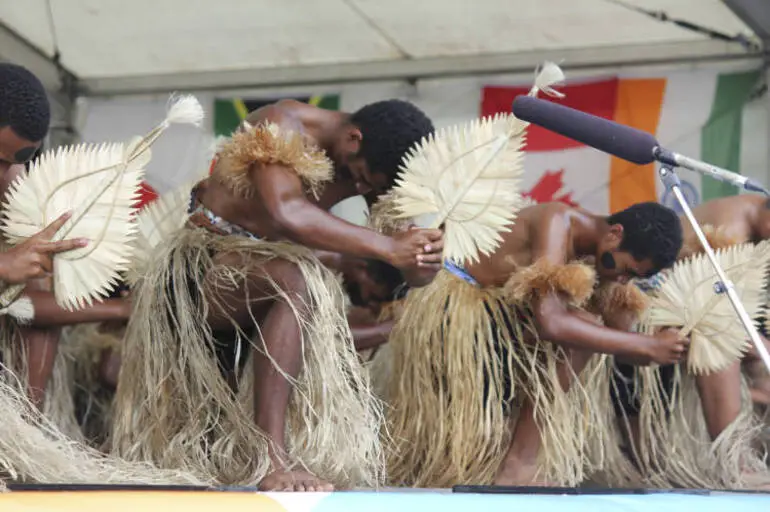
{"x":390,"y":128}
{"x":650,"y":231}
{"x":24,"y":103}
{"x":386,"y":274}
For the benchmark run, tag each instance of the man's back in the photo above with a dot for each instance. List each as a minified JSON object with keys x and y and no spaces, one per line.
{"x":250,"y":211}
{"x":737,"y":218}
{"x":516,"y":249}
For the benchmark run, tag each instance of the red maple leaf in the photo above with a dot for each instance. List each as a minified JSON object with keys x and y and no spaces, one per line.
{"x":147,"y":195}
{"x":547,"y":188}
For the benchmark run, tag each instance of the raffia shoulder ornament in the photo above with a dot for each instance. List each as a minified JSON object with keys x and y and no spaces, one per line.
{"x":686,"y":299}
{"x":267,"y":143}
{"x":466,"y":178}
{"x":99,"y":183}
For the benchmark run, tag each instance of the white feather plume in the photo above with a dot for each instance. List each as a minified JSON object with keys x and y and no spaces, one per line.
{"x":686,"y":299}
{"x":467,"y":178}
{"x":185,"y":110}
{"x":99,"y":184}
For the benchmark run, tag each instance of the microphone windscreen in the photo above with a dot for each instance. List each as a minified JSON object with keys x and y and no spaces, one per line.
{"x":616,"y":139}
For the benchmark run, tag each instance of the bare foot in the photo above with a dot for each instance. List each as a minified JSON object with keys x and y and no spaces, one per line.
{"x":519,"y":473}
{"x":294,"y":481}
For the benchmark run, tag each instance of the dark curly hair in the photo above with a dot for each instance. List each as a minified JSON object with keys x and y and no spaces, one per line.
{"x":24,"y":104}
{"x":650,"y":231}
{"x":390,"y":128}
{"x":386,"y":274}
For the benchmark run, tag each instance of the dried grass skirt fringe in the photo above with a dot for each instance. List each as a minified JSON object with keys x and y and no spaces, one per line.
{"x":58,"y":407}
{"x":675,"y":447}
{"x":49,"y":447}
{"x":174,"y":408}
{"x":33,"y":450}
{"x":445,"y":429}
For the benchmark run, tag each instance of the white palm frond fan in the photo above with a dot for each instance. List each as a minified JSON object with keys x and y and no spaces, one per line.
{"x":99,"y":184}
{"x":687,"y":299}
{"x":155,"y":223}
{"x":467,"y":178}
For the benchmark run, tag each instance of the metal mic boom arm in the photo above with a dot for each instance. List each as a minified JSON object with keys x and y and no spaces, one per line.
{"x":671,"y":159}
{"x":723,"y":285}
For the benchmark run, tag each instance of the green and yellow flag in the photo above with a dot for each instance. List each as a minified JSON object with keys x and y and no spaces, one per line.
{"x":228,"y":113}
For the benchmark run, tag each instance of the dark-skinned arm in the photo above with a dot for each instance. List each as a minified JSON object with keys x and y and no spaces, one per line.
{"x":331,"y":260}
{"x":48,"y":313}
{"x":550,"y":235}
{"x":297,"y":219}
{"x":372,"y":335}
{"x":623,"y":321}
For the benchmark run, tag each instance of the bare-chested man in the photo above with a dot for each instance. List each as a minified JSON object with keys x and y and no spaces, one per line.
{"x":725,"y":221}
{"x":24,"y":120}
{"x":736,"y":219}
{"x":474,"y":365}
{"x":243,"y":275}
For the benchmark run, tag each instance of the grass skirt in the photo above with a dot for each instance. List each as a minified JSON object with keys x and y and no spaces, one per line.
{"x":675,"y":449}
{"x":174,"y":408}
{"x":58,"y":407}
{"x":33,"y":450}
{"x":462,"y":368}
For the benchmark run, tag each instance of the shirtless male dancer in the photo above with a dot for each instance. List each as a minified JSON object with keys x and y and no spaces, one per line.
{"x":370,"y":284}
{"x":261,"y":214}
{"x":726,"y":221}
{"x":530,"y":290}
{"x":735,"y":220}
{"x":24,"y":120}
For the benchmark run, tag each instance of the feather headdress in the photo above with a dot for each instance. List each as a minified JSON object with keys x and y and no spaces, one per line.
{"x":687,"y":299}
{"x":466,"y":179}
{"x":99,"y":184}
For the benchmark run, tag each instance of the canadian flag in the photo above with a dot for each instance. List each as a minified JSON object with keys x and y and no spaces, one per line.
{"x":147,"y":194}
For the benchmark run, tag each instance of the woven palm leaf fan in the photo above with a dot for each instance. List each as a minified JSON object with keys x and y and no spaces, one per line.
{"x":100,"y":185}
{"x":686,"y":299}
{"x":155,"y":223}
{"x":467,"y":177}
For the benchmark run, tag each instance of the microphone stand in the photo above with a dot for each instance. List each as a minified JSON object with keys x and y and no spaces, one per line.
{"x":723,"y":285}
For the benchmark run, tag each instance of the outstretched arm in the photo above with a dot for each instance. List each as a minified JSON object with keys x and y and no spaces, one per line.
{"x":367,"y":331}
{"x":297,"y":219}
{"x":48,"y":313}
{"x":370,"y":335}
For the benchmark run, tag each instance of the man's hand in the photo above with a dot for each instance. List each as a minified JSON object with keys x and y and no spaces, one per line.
{"x":417,"y":249}
{"x":667,"y":347}
{"x":33,"y":259}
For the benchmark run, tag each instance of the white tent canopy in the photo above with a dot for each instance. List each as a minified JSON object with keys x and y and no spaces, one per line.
{"x":134,"y":46}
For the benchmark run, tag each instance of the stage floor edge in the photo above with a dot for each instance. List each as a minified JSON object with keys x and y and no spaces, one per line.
{"x":390,"y":500}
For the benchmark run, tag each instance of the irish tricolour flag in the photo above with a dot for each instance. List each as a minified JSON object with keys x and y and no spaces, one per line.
{"x":704,"y":114}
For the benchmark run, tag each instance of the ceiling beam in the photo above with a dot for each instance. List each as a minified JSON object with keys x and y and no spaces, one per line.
{"x":16,"y":49}
{"x":425,"y":68}
{"x":755,"y":14}
{"x":59,"y":82}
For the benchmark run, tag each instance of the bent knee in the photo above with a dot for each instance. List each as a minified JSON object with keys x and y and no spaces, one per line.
{"x":287,"y":276}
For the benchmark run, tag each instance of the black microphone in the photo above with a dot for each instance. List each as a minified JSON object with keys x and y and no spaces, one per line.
{"x":616,"y":139}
